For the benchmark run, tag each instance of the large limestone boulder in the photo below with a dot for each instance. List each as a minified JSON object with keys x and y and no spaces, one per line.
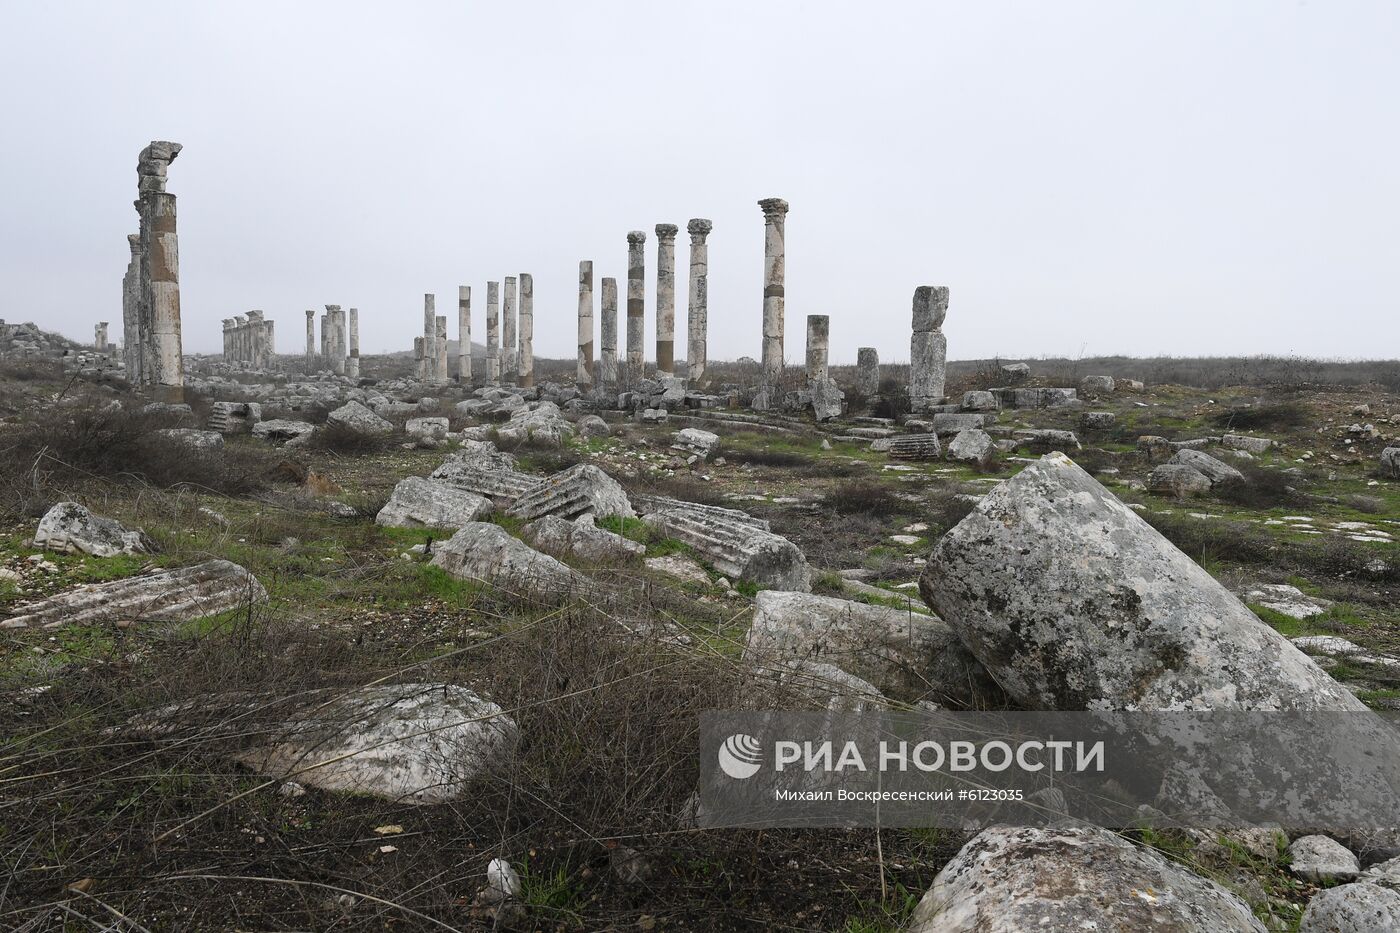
{"x":423,"y":503}
{"x":1072,"y":601}
{"x":582,"y":539}
{"x":432,"y":429}
{"x":1214,"y":470}
{"x":410,"y":743}
{"x":1018,"y":880}
{"x":973,"y":446}
{"x":540,"y":422}
{"x":164,"y":596}
{"x":1322,"y":858}
{"x":695,"y":441}
{"x":902,"y":653}
{"x":1178,"y":480}
{"x":281,"y":430}
{"x":487,"y":553}
{"x":1390,"y":462}
{"x":1352,"y":908}
{"x":583,"y":489}
{"x":192,"y":438}
{"x":69,"y":528}
{"x":358,"y":418}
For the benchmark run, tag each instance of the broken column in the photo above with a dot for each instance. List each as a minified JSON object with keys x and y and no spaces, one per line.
{"x":493,"y":337}
{"x":131,"y":303}
{"x":99,"y":337}
{"x":508,"y":336}
{"x":335,"y":342}
{"x":440,"y":349}
{"x":429,"y":338}
{"x":774,"y":261}
{"x":867,"y":371}
{"x":818,"y":341}
{"x":584,"y":374}
{"x":636,"y":306}
{"x":607,"y":359}
{"x":526,"y":361}
{"x":666,"y":299}
{"x":928,"y":348}
{"x":464,"y":334}
{"x":325,"y":341}
{"x":352,"y":366}
{"x":697,"y":310}
{"x":310,"y":338}
{"x":269,"y":343}
{"x":159,"y":304}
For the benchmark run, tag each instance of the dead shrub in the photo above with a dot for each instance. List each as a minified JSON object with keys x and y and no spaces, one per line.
{"x":1268,"y":416}
{"x":1261,"y":488}
{"x":338,"y":438}
{"x":865,"y":498}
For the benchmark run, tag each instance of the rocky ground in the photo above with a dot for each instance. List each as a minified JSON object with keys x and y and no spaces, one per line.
{"x":349,"y":569}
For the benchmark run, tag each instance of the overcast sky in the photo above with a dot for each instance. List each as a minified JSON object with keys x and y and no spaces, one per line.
{"x":1087,"y":178}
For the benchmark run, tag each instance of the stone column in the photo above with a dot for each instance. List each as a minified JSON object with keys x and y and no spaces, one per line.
{"x":429,"y":338}
{"x":464,"y":334}
{"x":269,"y":343}
{"x":774,"y":263}
{"x":697,"y":311}
{"x":493,"y":335}
{"x":818,"y":341}
{"x":508,"y":336}
{"x":253,"y":353}
{"x":240,"y":338}
{"x":335,"y":336}
{"x":868,"y":372}
{"x":325,"y":342}
{"x":636,"y":306}
{"x":99,"y":336}
{"x":228,"y":339}
{"x":583,"y":374}
{"x":160,"y":272}
{"x":526,"y":361}
{"x":440,"y":346}
{"x":607,"y":359}
{"x":352,"y":366}
{"x":420,"y":359}
{"x":666,"y":299}
{"x":310,"y":338}
{"x":928,"y":348}
{"x":132,"y":336}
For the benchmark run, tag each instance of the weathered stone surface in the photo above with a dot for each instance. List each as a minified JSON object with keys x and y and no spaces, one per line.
{"x":1390,"y":462}
{"x":1254,"y":445}
{"x":234,"y":417}
{"x":948,"y":424}
{"x":579,"y":490}
{"x":696,"y":441}
{"x":1156,"y":449}
{"x":1047,"y":439}
{"x":541,"y":422}
{"x":165,"y":596}
{"x":1097,"y":420}
{"x":972,"y":446}
{"x":1179,"y":480}
{"x":1321,"y":858}
{"x":481,"y":454}
{"x":1016,"y":880}
{"x":1285,"y":599}
{"x":1203,"y":463}
{"x":502,"y":486}
{"x":928,"y":347}
{"x":1016,"y":372}
{"x":1386,"y":874}
{"x":1352,"y":908}
{"x":412,"y":743}
{"x":646,"y":504}
{"x":192,"y":438}
{"x":1097,"y":385}
{"x":679,"y":567}
{"x":423,"y":503}
{"x":901,"y":653}
{"x":736,"y":549}
{"x":434,"y":428}
{"x":356,"y":417}
{"x":69,"y":528}
{"x":593,"y":426}
{"x":979,"y":401}
{"x":1072,"y":601}
{"x":582,"y":539}
{"x":914,"y":447}
{"x":1044,"y":397}
{"x":280,"y":430}
{"x":485,"y":552}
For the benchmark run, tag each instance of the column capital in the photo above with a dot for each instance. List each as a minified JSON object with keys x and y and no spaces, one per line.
{"x":773,"y":208}
{"x":332,"y":309}
{"x":310,"y":314}
{"x":666,"y":231}
{"x":636,"y":237}
{"x":699,"y":226}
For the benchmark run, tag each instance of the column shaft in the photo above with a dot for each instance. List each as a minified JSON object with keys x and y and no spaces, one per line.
{"x":584,"y":373}
{"x":697,"y":309}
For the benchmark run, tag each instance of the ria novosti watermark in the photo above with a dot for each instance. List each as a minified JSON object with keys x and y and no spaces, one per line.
{"x":1207,"y":769}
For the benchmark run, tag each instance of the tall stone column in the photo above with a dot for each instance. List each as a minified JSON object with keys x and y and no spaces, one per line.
{"x":697,"y":310}
{"x":928,"y":348}
{"x":868,"y":372}
{"x":636,"y":306}
{"x":607,"y":358}
{"x":132,"y":335}
{"x":774,"y":264}
{"x":352,"y":366}
{"x":666,"y":299}
{"x":420,"y":359}
{"x":160,"y":272}
{"x":310,"y":338}
{"x":440,"y":345}
{"x":228,"y":339}
{"x":527,"y":330}
{"x":583,"y":375}
{"x":493,"y":333}
{"x":508,"y":335}
{"x":269,"y":343}
{"x":325,"y":341}
{"x":240,"y":338}
{"x":818,"y":343}
{"x":464,"y":334}
{"x":99,"y":336}
{"x":253,"y":353}
{"x":430,"y":338}
{"x":335,"y":340}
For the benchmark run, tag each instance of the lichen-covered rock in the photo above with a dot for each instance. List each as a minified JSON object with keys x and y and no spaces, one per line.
{"x":583,"y":489}
{"x":281,"y":430}
{"x":1071,"y":601}
{"x":1047,"y":439}
{"x":1178,"y":480}
{"x":902,"y":653}
{"x":1254,"y":445}
{"x":1097,"y":420}
{"x":1390,"y":462}
{"x":1097,"y":385}
{"x":164,"y":596}
{"x":1352,"y":908}
{"x":423,"y":503}
{"x":1018,"y":880}
{"x":582,"y":539}
{"x":411,"y":743}
{"x":356,"y":417}
{"x":540,"y":422}
{"x":1214,"y":470}
{"x":696,"y":441}
{"x":1322,"y":858}
{"x":429,"y":428}
{"x":487,"y":553}
{"x":69,"y":528}
{"x":972,"y":446}
{"x":593,"y":426}
{"x":193,"y":438}
{"x":946,"y":424}
{"x":979,"y":401}
{"x":737,"y":549}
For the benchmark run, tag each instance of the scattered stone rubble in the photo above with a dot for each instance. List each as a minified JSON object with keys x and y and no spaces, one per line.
{"x":69,"y":528}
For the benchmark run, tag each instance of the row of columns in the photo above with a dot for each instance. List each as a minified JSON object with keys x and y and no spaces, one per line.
{"x":151,"y":286}
{"x":249,"y":340}
{"x":511,"y":360}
